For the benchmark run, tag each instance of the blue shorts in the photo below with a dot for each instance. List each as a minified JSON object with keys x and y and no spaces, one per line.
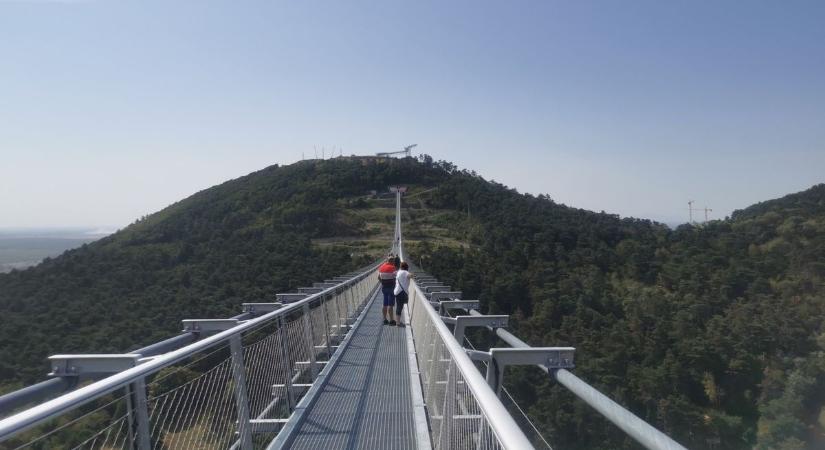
{"x":389,"y":297}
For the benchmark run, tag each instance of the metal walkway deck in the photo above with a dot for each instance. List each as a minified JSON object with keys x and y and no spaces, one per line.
{"x":367,"y":401}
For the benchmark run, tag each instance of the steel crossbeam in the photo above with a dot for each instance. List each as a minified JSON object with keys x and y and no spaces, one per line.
{"x":291,"y":297}
{"x":445,"y":295}
{"x":449,"y":305}
{"x":209,"y":326}
{"x":261,"y":308}
{"x":436,"y":287}
{"x":87,"y":366}
{"x":310,"y":290}
{"x":464,"y":322}
{"x":551,"y":357}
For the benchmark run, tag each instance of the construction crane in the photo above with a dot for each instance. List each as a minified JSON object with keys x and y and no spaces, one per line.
{"x":691,"y":210}
{"x":406,"y":151}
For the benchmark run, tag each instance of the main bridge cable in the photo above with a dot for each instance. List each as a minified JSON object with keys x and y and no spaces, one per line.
{"x":400,"y":248}
{"x":286,"y":435}
{"x":400,"y":251}
{"x":638,"y":429}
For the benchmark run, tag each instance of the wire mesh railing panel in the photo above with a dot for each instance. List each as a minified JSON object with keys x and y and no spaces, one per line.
{"x":267,"y":375}
{"x":98,"y":426}
{"x":318,"y":325}
{"x":455,"y":417}
{"x":297,"y":346}
{"x":330,"y":307}
{"x":340,"y":312}
{"x":114,"y":436}
{"x":194,"y":406}
{"x":353,"y":297}
{"x":234,"y":387}
{"x":465,"y":425}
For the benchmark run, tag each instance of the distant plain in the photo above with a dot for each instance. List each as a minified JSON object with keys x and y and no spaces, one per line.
{"x":26,"y":247}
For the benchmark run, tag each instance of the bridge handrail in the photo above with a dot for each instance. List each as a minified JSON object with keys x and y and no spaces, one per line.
{"x":28,"y":418}
{"x":635,"y":427}
{"x":499,"y":420}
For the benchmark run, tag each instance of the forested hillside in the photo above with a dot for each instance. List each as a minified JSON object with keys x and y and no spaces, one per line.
{"x":712,"y":333}
{"x":241,"y":241}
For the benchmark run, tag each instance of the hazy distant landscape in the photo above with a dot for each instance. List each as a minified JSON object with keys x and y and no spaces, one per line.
{"x":25,"y":247}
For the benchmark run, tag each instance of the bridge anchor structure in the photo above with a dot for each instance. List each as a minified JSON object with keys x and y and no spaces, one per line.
{"x":316,"y":368}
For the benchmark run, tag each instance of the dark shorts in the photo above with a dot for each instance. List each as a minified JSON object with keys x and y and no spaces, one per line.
{"x":401,"y":300}
{"x":389,"y":298}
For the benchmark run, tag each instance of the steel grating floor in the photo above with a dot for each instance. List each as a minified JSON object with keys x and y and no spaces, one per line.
{"x":367,"y":402}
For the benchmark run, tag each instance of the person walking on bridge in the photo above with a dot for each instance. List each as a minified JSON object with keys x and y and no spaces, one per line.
{"x":402,"y":288}
{"x":386,"y":275}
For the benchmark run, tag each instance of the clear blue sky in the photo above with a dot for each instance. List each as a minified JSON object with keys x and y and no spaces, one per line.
{"x":114,"y":109}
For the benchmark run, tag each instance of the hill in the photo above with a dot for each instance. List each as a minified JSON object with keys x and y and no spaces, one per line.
{"x":711,"y":333}
{"x":243,"y":240}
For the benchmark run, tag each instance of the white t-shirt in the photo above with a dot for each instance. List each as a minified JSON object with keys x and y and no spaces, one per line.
{"x":402,"y":282}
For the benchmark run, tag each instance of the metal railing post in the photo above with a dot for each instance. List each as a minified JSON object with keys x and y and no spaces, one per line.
{"x":137,"y":390}
{"x":313,"y":369}
{"x":241,"y":399}
{"x":130,"y":417}
{"x":494,"y":376}
{"x":448,"y":408}
{"x":337,"y":300}
{"x":351,"y":302}
{"x":357,"y":299}
{"x":350,"y":294}
{"x":324,"y":304}
{"x":290,"y":396}
{"x":484,"y":436}
{"x":412,"y":303}
{"x":504,"y":431}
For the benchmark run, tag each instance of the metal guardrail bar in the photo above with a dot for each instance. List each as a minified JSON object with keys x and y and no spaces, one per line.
{"x":52,"y":408}
{"x":628,"y":422}
{"x":35,"y":392}
{"x":58,"y":385}
{"x":498,"y":418}
{"x":288,"y":433}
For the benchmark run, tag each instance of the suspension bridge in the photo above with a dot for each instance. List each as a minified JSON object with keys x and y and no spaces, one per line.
{"x":315,"y":368}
